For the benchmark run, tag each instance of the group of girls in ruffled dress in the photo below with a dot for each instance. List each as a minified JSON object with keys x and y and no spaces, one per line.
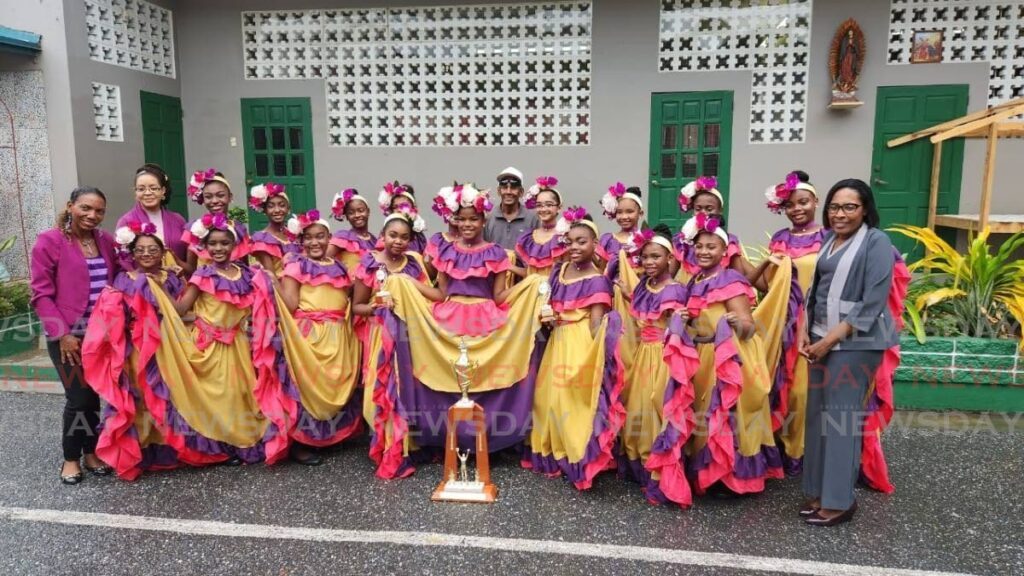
{"x":670,"y":359}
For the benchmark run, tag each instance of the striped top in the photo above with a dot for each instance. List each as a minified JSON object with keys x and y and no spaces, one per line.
{"x":97,"y":282}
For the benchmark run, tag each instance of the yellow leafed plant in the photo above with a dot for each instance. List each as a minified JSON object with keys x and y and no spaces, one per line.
{"x":984,"y":291}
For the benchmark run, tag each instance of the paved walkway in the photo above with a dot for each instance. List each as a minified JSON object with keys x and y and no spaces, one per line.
{"x":959,"y":508}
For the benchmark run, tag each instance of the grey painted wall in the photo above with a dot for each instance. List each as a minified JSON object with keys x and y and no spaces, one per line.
{"x":625,"y":74}
{"x":109,"y":166}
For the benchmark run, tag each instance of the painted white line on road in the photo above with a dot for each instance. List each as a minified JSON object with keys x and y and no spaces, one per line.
{"x":520,"y":545}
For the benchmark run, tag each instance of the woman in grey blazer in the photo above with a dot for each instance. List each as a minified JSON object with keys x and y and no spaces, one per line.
{"x":849,"y":327}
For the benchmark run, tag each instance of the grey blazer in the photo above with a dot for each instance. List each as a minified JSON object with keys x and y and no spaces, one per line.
{"x":863,"y":300}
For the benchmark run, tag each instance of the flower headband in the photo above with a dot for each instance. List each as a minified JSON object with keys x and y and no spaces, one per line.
{"x":127,"y":234}
{"x":391,"y":191}
{"x":610,"y":201}
{"x":341,"y":200}
{"x":703,"y":184}
{"x":298,"y":223}
{"x":571,"y":217}
{"x":450,"y":198}
{"x":778,"y":194}
{"x":202,"y":227}
{"x":704,"y":223}
{"x":199,"y":180}
{"x":261,"y":193}
{"x":544,"y":183}
{"x":409,"y":215}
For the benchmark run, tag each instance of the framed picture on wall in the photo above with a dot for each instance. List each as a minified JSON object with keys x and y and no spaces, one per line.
{"x":926,"y":47}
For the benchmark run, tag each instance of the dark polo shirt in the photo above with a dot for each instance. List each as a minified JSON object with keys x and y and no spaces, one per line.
{"x":505,"y":232}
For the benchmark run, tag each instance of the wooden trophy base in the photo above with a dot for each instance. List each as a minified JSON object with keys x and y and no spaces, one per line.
{"x":453,"y":488}
{"x":457,"y":491}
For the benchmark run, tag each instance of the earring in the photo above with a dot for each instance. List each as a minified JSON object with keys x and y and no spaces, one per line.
{"x":67,"y":222}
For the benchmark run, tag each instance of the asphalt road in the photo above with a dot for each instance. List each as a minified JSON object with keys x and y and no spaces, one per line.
{"x":959,"y":507}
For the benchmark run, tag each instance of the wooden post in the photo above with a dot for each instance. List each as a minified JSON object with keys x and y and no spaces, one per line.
{"x":990,"y":172}
{"x":933,"y":192}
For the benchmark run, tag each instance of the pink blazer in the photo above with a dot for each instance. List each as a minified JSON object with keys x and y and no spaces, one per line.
{"x":60,"y":279}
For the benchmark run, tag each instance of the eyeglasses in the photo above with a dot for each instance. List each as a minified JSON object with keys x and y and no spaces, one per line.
{"x":846,"y":208}
{"x":143,"y":189}
{"x":151,"y":251}
{"x":509,"y":182}
{"x":547,"y":205}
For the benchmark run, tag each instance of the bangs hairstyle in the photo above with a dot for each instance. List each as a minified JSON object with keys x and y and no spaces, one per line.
{"x":867,"y":201}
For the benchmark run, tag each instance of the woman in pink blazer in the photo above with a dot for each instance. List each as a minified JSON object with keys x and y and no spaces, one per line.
{"x":71,"y":264}
{"x":152,"y":191}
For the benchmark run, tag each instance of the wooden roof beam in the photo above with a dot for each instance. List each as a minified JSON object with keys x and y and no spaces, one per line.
{"x":955,"y":122}
{"x":989,"y":120}
{"x":1005,"y":130}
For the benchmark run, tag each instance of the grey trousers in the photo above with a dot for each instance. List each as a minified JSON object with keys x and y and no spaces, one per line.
{"x":836,"y":389}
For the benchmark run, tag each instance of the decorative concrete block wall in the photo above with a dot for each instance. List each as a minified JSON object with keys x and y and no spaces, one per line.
{"x":966,"y":361}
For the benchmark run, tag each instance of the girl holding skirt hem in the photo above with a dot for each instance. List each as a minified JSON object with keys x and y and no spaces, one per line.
{"x":659,"y":384}
{"x":129,"y":440}
{"x":215,"y":392}
{"x":732,"y":449}
{"x":319,"y":345}
{"x":577,"y":411}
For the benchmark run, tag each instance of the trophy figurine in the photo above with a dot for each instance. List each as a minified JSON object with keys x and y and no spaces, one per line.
{"x":457,"y":486}
{"x":547,"y":314}
{"x":383,"y":296}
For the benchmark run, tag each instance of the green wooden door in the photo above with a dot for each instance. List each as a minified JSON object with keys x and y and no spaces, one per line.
{"x":691,"y":136}
{"x":278,"y":143}
{"x":163,"y":143}
{"x":901,"y":176}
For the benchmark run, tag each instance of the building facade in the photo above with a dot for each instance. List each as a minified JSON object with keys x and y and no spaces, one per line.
{"x":326,"y":95}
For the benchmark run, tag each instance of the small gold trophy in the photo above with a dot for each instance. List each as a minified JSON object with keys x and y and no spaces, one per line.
{"x":456,"y":485}
{"x":547,"y":314}
{"x":383,"y":296}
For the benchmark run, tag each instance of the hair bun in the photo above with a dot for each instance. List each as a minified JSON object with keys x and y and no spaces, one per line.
{"x":635,"y":190}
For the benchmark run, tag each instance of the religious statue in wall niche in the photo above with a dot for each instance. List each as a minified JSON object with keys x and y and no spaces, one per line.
{"x":845,"y":62}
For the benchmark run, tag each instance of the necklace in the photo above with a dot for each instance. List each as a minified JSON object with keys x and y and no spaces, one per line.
{"x":585,"y":266}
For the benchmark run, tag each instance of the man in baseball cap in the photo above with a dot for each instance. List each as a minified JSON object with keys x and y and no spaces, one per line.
{"x":512,"y":219}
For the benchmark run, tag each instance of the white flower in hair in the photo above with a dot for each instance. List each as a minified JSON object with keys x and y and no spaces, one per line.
{"x":384,"y":198}
{"x":124,"y":236}
{"x":609,"y":204}
{"x":562,"y":226}
{"x":259,"y":192}
{"x":690,"y":229}
{"x":198,"y":229}
{"x":419,"y":224}
{"x":293,"y":226}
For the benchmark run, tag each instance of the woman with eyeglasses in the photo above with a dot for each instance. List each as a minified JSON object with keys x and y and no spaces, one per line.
{"x":854,"y":307}
{"x":71,"y":264}
{"x":702,"y":197}
{"x":539,"y":250}
{"x":129,"y":439}
{"x":152,"y":192}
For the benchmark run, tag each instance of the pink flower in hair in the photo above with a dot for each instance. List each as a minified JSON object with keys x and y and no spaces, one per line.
{"x":707,"y":183}
{"x":197,"y":181}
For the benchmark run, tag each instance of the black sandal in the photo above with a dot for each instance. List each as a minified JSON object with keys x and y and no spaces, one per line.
{"x":102,"y":470}
{"x":70,"y":479}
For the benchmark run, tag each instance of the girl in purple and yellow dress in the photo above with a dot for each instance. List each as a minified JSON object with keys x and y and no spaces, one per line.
{"x":416,"y":338}
{"x":732,"y":449}
{"x":539,"y":250}
{"x":470,"y":271}
{"x":445,"y":205}
{"x":370,"y":294}
{"x":659,"y":388}
{"x":620,"y":258}
{"x":798,"y":245}
{"x":217,"y":395}
{"x":703,"y":197}
{"x":577,"y":410}
{"x":393,"y":196}
{"x":273,"y":243}
{"x":210,"y":189}
{"x":129,"y":441}
{"x":318,"y":341}
{"x":350,"y":246}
